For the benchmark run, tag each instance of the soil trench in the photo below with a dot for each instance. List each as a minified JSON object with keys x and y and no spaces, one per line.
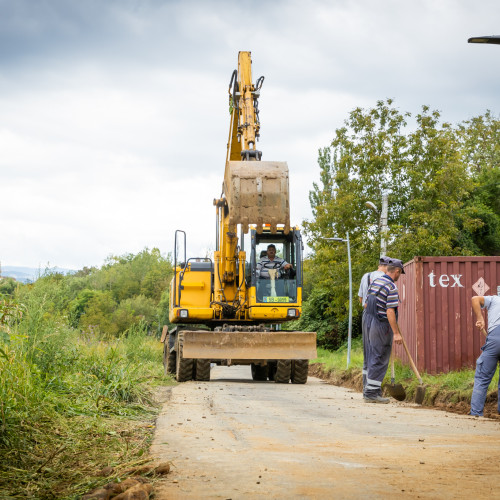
{"x":236,"y":438}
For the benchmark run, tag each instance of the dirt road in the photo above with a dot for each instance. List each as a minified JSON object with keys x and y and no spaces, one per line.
{"x":235,"y":438}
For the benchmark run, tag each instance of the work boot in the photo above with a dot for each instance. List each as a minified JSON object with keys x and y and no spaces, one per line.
{"x":377,"y":399}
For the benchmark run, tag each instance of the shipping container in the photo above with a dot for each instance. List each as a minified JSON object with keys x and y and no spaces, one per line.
{"x":435,"y":314}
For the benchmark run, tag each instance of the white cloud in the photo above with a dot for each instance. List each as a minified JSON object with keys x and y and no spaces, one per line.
{"x":114,"y":116}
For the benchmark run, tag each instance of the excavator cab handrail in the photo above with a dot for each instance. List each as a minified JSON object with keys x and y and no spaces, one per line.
{"x":177,"y":290}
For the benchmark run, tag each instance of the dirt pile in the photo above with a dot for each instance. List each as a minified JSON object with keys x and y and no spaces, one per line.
{"x":132,"y":488}
{"x":438,"y":399}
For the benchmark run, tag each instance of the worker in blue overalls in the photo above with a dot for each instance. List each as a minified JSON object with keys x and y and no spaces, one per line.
{"x":365,"y":283}
{"x":381,"y":328}
{"x":487,"y":362}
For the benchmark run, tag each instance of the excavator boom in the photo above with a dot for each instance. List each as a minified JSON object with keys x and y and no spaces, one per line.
{"x":256,"y":191}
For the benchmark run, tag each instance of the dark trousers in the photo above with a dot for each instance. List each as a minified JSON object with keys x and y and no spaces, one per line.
{"x":365,"y":349}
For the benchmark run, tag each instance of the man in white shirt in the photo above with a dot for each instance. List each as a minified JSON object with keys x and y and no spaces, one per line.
{"x":487,"y":362}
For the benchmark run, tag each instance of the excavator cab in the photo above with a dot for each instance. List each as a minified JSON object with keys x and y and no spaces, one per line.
{"x":275,"y":285}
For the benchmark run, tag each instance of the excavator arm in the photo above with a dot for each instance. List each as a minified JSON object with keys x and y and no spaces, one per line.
{"x":254,"y":191}
{"x":243,"y":105}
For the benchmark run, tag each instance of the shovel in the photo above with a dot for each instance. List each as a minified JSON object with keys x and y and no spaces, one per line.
{"x":419,"y":396}
{"x":397,"y":391}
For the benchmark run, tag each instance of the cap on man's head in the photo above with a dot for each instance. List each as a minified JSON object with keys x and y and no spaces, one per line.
{"x":397,"y":263}
{"x":384,"y":261}
{"x":271,"y":245}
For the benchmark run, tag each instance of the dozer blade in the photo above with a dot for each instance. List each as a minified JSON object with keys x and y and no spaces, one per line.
{"x":257,"y":193}
{"x":249,"y":345}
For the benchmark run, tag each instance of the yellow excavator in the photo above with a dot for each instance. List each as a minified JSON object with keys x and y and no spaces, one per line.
{"x":229,"y":310}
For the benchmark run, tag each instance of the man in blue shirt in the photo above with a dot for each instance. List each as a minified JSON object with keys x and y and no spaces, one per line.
{"x":380,"y":323}
{"x":487,"y":362}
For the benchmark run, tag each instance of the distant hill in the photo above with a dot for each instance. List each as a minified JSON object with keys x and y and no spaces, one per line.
{"x":31,"y":274}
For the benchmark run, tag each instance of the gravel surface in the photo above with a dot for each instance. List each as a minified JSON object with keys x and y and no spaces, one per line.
{"x":236,"y":438}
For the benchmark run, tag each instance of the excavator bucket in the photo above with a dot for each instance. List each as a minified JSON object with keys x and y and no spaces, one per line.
{"x":257,"y":193}
{"x":249,"y":345}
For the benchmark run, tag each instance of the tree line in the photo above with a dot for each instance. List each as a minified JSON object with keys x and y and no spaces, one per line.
{"x":127,"y":291}
{"x":443,"y":186}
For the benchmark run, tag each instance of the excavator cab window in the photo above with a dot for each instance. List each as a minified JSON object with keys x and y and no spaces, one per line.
{"x":276,"y":266}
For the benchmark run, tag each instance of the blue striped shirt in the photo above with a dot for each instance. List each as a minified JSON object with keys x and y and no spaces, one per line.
{"x":387,"y":295}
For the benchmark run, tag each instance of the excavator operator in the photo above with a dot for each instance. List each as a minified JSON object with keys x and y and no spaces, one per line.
{"x":270,"y":261}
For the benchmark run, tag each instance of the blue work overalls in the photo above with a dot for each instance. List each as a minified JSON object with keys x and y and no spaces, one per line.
{"x":379,"y":336}
{"x":365,"y":348}
{"x":486,"y":366}
{"x":364,"y":336}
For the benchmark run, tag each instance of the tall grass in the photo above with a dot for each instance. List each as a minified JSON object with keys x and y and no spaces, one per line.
{"x":70,"y":403}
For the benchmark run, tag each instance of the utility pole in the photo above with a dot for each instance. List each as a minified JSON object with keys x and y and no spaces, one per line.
{"x":349,"y":330}
{"x":383,"y":226}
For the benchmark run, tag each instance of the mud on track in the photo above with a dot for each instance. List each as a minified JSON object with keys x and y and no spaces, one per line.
{"x":442,"y":400}
{"x":235,"y":438}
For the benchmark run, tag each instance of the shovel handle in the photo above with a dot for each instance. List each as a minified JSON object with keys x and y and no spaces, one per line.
{"x":393,"y":376}
{"x":484,"y":332}
{"x":412,"y":364}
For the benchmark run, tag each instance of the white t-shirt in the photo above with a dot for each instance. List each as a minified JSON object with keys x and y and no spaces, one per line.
{"x":492,"y":305}
{"x":366,"y":281}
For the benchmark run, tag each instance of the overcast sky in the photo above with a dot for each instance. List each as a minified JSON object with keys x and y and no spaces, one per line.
{"x":114,"y":114}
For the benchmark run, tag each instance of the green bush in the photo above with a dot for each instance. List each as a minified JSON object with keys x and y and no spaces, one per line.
{"x":76,"y":366}
{"x":7,"y":286}
{"x":318,"y":316}
{"x":54,"y":396}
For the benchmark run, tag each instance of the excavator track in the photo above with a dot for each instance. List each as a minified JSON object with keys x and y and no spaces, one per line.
{"x":283,"y":371}
{"x":184,"y":366}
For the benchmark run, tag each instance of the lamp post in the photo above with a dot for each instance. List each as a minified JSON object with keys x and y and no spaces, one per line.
{"x":495,"y":39}
{"x":349,"y":330}
{"x":384,"y":229}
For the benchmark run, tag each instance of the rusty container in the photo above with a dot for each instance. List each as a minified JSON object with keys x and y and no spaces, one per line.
{"x":435,"y":314}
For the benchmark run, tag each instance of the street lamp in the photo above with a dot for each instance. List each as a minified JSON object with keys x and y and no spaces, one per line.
{"x":495,"y":39}
{"x":383,"y":222}
{"x":349,"y":330}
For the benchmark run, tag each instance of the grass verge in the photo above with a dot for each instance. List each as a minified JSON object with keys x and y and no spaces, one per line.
{"x":72,"y":404}
{"x":451,"y":391}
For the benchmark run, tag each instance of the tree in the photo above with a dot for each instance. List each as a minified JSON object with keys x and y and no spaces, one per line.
{"x":98,"y":314}
{"x":7,"y":286}
{"x":480,"y":144}
{"x":442,"y":183}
